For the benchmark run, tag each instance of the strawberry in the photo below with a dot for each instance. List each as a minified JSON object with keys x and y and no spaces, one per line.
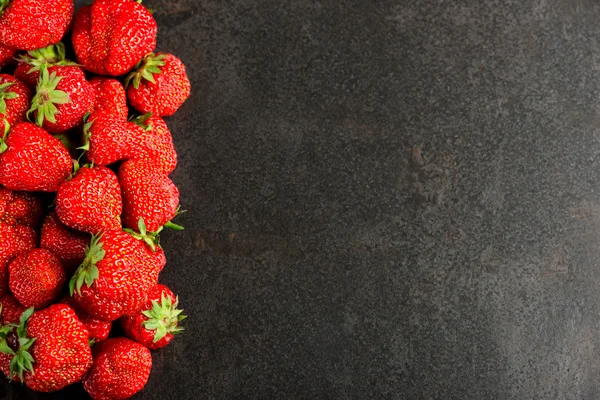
{"x":66,"y":243}
{"x":90,"y":201}
{"x":14,"y":100}
{"x":110,"y":96}
{"x":19,"y":208}
{"x":111,"y":36}
{"x":32,"y":160}
{"x":98,"y":329}
{"x":30,"y":64}
{"x":158,"y":320}
{"x":36,"y":277}
{"x":116,"y":275}
{"x":63,"y":97}
{"x":159,"y":85}
{"x":121,"y":369}
{"x":48,"y":350}
{"x":11,"y":309}
{"x":14,"y":240}
{"x":7,"y":55}
{"x":156,"y":144}
{"x":147,"y":194}
{"x":33,"y":24}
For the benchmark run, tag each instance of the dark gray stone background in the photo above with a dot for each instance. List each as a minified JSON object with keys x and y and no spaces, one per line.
{"x":387,"y":199}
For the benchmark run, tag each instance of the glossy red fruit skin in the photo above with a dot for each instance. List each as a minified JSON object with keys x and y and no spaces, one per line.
{"x":91,"y":201}
{"x":110,"y":96}
{"x":61,"y":351}
{"x":111,"y":138}
{"x":7,"y":55}
{"x":98,"y":329}
{"x":111,"y":36}
{"x":34,"y":161}
{"x":126,"y":274}
{"x":20,"y":208}
{"x":33,"y":24}
{"x":157,"y":146}
{"x":11,"y":309}
{"x":36,"y":278}
{"x":14,"y":240}
{"x":121,"y":369}
{"x":147,"y":194}
{"x":68,"y":244}
{"x":81,"y":94}
{"x":16,"y":109}
{"x":164,"y":97}
{"x":133,"y":325}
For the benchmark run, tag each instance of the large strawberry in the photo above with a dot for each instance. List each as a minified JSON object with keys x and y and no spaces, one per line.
{"x":33,"y":24}
{"x":19,"y":208}
{"x":48,"y":351}
{"x":63,"y":97}
{"x":32,"y":160}
{"x":14,"y":100}
{"x":68,"y":244}
{"x":14,"y":240}
{"x":110,"y":96}
{"x":159,"y":85}
{"x":97,"y":328}
{"x":158,"y":320}
{"x":121,"y":369}
{"x":111,"y":36}
{"x":147,"y":194}
{"x":30,"y":64}
{"x":90,"y":201}
{"x":11,"y":309}
{"x":116,"y":275}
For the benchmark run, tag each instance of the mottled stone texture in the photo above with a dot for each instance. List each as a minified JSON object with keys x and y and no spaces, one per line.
{"x":387,"y":199}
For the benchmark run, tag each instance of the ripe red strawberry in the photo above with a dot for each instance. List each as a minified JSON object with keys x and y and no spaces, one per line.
{"x":147,"y":194}
{"x":159,"y":85}
{"x":36,"y":278}
{"x":63,"y":97}
{"x":66,"y":243}
{"x":121,"y":369}
{"x":33,"y":24}
{"x":158,"y":320}
{"x":30,"y":64}
{"x":98,"y":329}
{"x":19,"y":208}
{"x":48,"y":351}
{"x":157,"y":144}
{"x":111,"y":36}
{"x":110,"y":96}
{"x":7,"y":55}
{"x":90,"y":201}
{"x":11,"y":309}
{"x":116,"y":275}
{"x":14,"y":240}
{"x":32,"y":160}
{"x":14,"y":100}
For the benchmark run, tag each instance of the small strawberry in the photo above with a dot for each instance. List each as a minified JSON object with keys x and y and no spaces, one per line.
{"x":32,"y":160}
{"x":110,"y":96}
{"x":158,"y":320}
{"x":33,"y":24}
{"x":116,"y":275}
{"x":30,"y":64}
{"x":63,"y":97}
{"x":14,"y":100}
{"x":68,"y":244}
{"x":14,"y":240}
{"x":157,"y":143}
{"x":11,"y":309}
{"x":121,"y":369}
{"x":36,"y":278}
{"x":159,"y":85}
{"x":19,"y":208}
{"x":147,"y":194}
{"x":111,"y":36}
{"x":48,"y":350}
{"x":7,"y":55}
{"x":90,"y":201}
{"x":97,"y":328}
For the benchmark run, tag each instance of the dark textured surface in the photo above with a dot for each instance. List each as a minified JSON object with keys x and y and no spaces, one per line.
{"x":387,"y":199}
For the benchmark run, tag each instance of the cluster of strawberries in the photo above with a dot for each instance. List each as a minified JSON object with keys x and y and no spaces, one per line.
{"x":94,"y":258}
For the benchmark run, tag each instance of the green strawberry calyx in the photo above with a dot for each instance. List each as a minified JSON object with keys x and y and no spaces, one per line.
{"x":48,"y":56}
{"x":14,"y":342}
{"x":88,"y":270}
{"x":3,"y":145}
{"x":163,"y":318}
{"x":142,"y":121}
{"x":4,"y":4}
{"x":6,"y":94}
{"x":146,"y":69}
{"x":87,"y":133}
{"x":46,"y":98}
{"x":152,"y":239}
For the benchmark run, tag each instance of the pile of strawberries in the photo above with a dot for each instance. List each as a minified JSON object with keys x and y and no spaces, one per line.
{"x":85,"y":158}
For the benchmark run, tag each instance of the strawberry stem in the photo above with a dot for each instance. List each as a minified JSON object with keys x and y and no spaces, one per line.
{"x":146,"y":69}
{"x":150,"y":238}
{"x":43,"y":103}
{"x":88,"y":271}
{"x":17,"y":344}
{"x":163,"y":318}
